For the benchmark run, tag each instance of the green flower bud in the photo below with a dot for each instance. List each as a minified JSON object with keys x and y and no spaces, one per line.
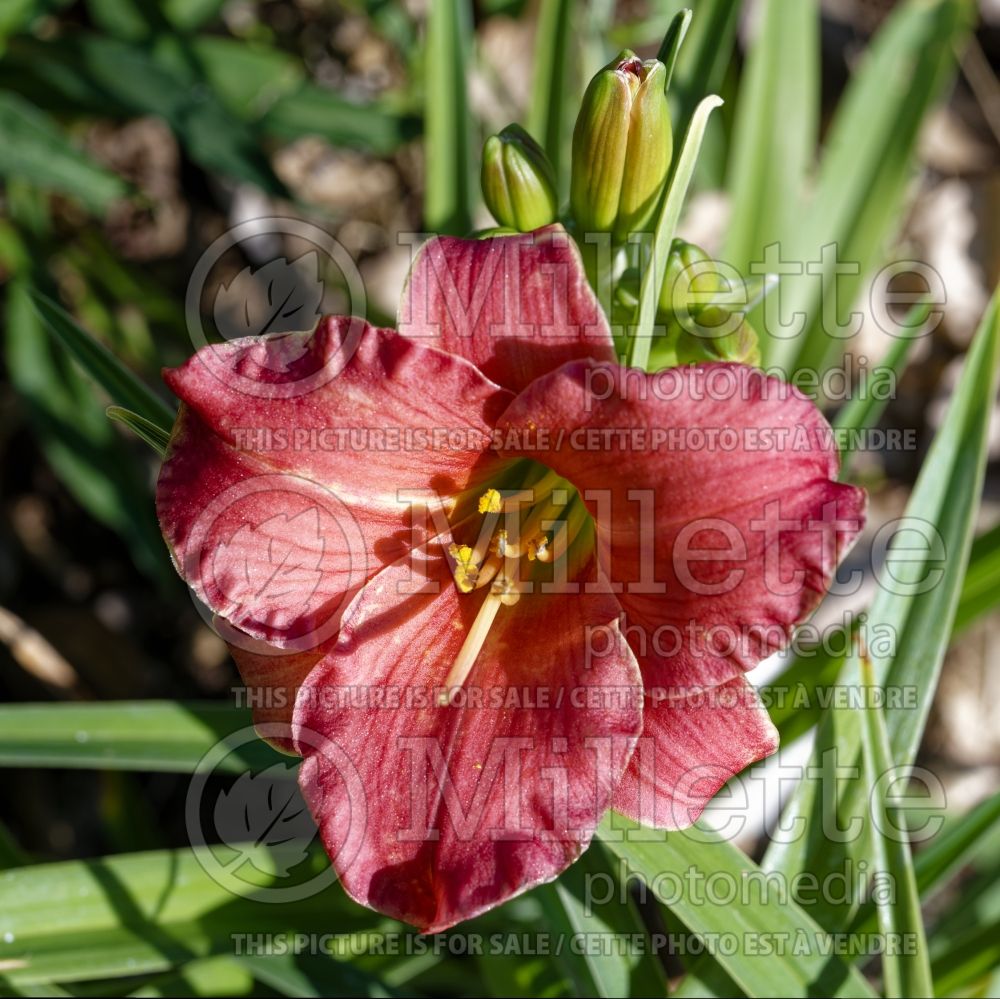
{"x":720,"y":336}
{"x":518,"y":182}
{"x":690,"y":275}
{"x":622,"y":145}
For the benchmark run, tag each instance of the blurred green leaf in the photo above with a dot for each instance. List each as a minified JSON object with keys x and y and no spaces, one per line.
{"x":553,"y":99}
{"x":448,"y":191}
{"x":866,"y":167}
{"x":905,"y":969}
{"x":121,"y":384}
{"x":981,"y":587}
{"x":109,"y":77}
{"x":865,"y":408}
{"x":168,"y":736}
{"x":78,"y":441}
{"x":315,"y":110}
{"x":248,"y":79}
{"x":755,"y":913}
{"x":35,"y":149}
{"x":129,"y":20}
{"x":190,"y":14}
{"x":777,"y":121}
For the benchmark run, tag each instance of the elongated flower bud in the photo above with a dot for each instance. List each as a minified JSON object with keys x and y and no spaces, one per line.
{"x":518,"y":181}
{"x":622,"y":145}
{"x":691,"y":277}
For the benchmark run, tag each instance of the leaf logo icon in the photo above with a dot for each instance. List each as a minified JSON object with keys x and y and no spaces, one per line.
{"x":277,"y":560}
{"x":282,"y":296}
{"x":264,"y":818}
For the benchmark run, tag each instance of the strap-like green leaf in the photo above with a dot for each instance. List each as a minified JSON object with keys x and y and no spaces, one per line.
{"x":156,"y":438}
{"x":553,"y":99}
{"x":777,"y":121}
{"x":447,"y":132}
{"x":917,"y":617}
{"x":590,"y":900}
{"x":753,"y":913}
{"x":121,"y":384}
{"x":666,"y":225}
{"x":905,"y":964}
{"x":169,"y":736}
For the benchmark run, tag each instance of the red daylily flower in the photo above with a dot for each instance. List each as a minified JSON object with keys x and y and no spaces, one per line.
{"x":510,"y":583}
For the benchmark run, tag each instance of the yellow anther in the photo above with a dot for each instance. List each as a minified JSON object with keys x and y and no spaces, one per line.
{"x":465,"y":569}
{"x":490,"y":502}
{"x":499,"y":543}
{"x":538,"y":548}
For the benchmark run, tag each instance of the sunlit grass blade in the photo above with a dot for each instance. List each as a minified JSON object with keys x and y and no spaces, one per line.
{"x":448,"y":195}
{"x":777,"y":120}
{"x":906,"y":968}
{"x":981,"y":588}
{"x":702,"y":62}
{"x":33,"y":148}
{"x":122,"y":385}
{"x":207,"y":976}
{"x":590,"y":902}
{"x":169,"y":736}
{"x":797,"y":697}
{"x":909,"y":624}
{"x":755,"y":912}
{"x":866,"y":407}
{"x":941,"y":858}
{"x":312,"y":976}
{"x":141,"y":913}
{"x":141,"y":427}
{"x":865,"y":171}
{"x":947,"y":495}
{"x":666,"y":226}
{"x":866,"y":167}
{"x":553,"y":98}
{"x":670,"y":47}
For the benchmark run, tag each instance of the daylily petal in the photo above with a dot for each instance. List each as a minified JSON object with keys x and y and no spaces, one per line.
{"x":272,"y":678}
{"x":516,"y":306}
{"x":279,"y":500}
{"x":716,"y":550}
{"x":468,"y":804}
{"x":689,"y":748}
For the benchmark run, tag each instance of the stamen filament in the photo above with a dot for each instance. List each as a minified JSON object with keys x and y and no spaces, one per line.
{"x":488,"y":571}
{"x":576,"y":517}
{"x":470,"y":649}
{"x":531,"y":529}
